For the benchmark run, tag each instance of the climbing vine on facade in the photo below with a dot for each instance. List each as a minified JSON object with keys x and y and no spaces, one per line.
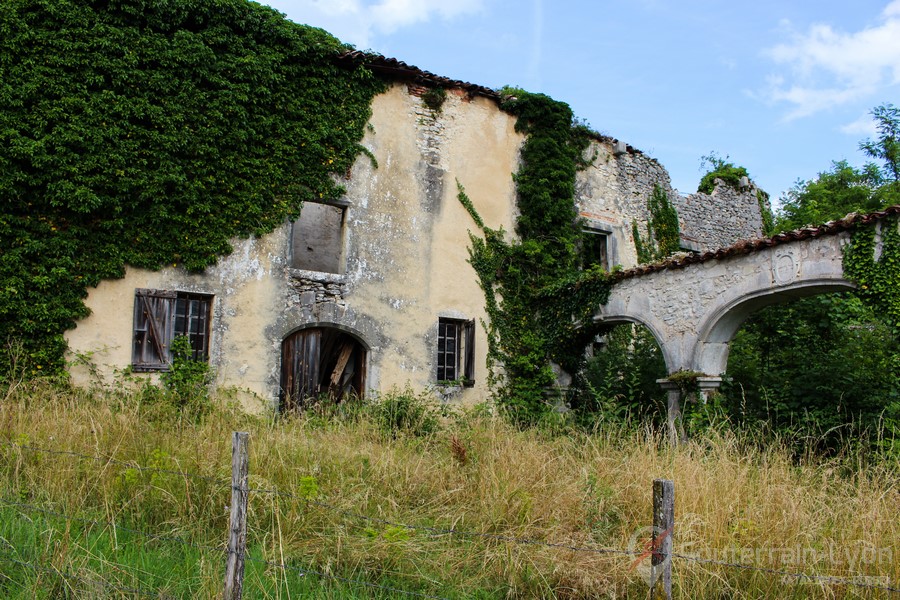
{"x":663,"y":236}
{"x":877,"y":274}
{"x":538,"y":301}
{"x":150,"y":133}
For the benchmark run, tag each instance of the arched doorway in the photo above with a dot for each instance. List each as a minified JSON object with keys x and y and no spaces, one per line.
{"x":321,"y":360}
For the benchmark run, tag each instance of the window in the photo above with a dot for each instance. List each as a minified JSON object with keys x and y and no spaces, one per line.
{"x":595,"y":249}
{"x":317,"y":238}
{"x":159,"y":317}
{"x":456,"y":351}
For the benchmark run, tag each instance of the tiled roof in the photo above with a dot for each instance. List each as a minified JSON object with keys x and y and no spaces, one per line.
{"x":748,"y":246}
{"x":401,"y":71}
{"x":397,"y":69}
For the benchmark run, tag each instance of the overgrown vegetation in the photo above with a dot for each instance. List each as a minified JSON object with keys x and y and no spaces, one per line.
{"x":149,"y":133}
{"x":580,"y":489}
{"x":538,"y":297}
{"x":434,"y":98}
{"x":663,"y":236}
{"x":848,"y":380}
{"x":720,"y":168}
{"x":822,"y":371}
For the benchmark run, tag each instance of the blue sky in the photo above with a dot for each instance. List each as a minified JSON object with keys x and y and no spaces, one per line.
{"x":782,"y":87}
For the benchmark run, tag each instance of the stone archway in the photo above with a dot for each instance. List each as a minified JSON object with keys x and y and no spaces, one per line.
{"x":318,"y":361}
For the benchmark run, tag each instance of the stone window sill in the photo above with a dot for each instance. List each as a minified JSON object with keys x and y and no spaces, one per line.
{"x":319,"y":276}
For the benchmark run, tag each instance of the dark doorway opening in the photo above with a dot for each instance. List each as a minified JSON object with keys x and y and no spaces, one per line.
{"x":321,"y":361}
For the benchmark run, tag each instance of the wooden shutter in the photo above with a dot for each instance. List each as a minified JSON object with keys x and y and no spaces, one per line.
{"x":469,"y":366}
{"x":153,"y":327}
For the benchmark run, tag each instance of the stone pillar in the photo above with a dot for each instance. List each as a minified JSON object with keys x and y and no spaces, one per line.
{"x":674,"y":421}
{"x":705,"y":384}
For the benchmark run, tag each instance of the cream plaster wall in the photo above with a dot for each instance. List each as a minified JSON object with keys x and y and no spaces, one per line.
{"x":406,"y":254}
{"x":406,"y":245}
{"x":247,"y":288}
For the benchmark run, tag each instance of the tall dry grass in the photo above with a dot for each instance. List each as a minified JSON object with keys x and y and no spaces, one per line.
{"x":345,"y":486}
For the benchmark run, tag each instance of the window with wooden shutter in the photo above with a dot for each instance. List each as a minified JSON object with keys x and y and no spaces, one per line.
{"x":162,"y":315}
{"x":456,"y":351}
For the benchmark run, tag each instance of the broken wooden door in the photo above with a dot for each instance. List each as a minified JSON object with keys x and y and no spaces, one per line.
{"x":320,"y":361}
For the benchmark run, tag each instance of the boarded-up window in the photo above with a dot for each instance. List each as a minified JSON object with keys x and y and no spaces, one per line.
{"x":321,"y":361}
{"x":162,"y":315}
{"x":317,"y":238}
{"x":456,"y":351}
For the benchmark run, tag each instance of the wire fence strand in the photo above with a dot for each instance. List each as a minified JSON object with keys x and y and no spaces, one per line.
{"x":73,"y":576}
{"x":438,"y":531}
{"x":432,"y":531}
{"x":111,"y":524}
{"x":788,"y":574}
{"x":113,"y":461}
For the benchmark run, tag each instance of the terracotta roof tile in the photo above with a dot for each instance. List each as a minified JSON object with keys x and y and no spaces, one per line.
{"x":401,"y":71}
{"x":747,"y":246}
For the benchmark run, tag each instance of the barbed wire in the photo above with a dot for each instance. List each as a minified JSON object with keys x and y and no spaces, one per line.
{"x":436,"y":531}
{"x":108,"y":460}
{"x":303,"y":571}
{"x":785,"y":573}
{"x":111,"y":524}
{"x":73,"y":576}
{"x":432,"y":531}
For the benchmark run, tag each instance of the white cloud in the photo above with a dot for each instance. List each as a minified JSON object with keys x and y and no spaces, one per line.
{"x":829,"y":67}
{"x":864,"y":125}
{"x":357,"y":21}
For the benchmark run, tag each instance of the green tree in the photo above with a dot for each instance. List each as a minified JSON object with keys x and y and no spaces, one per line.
{"x":831,"y":195}
{"x":887,"y":146}
{"x":828,"y":364}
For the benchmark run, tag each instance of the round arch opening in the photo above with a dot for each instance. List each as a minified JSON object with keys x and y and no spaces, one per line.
{"x":321,"y":362}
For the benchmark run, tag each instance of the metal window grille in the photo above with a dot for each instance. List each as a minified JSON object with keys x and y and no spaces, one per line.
{"x":456,"y":351}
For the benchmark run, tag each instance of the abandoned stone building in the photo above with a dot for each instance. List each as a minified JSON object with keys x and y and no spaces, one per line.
{"x":375,"y":291}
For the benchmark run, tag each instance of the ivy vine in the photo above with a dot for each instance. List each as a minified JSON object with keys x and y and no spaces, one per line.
{"x":150,"y":133}
{"x":663,"y":236}
{"x":877,"y":279}
{"x":539,"y":301}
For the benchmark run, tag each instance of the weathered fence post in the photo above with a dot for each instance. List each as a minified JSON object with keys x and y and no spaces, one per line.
{"x":237,"y":534}
{"x":663,"y":528}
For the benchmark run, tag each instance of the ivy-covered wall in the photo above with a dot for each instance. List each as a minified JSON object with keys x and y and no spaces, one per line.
{"x":151,"y":133}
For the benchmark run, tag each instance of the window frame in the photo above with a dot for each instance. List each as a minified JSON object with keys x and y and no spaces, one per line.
{"x":606,"y":236}
{"x":341,"y":259}
{"x":156,"y":324}
{"x":458,"y":361}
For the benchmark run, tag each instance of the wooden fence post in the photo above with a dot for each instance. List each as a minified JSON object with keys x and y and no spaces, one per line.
{"x":237,"y":534}
{"x":663,"y":528}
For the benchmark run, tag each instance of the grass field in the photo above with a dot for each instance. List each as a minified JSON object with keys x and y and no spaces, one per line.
{"x":358,"y":498}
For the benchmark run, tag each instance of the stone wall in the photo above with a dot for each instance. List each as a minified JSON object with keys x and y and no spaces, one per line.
{"x":613,"y":191}
{"x":717,"y":220}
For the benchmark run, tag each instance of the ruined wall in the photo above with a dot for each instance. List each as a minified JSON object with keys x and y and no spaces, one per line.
{"x":404,"y":260}
{"x":718,"y":220}
{"x":612,"y":192}
{"x":400,"y":259}
{"x":247,"y":287}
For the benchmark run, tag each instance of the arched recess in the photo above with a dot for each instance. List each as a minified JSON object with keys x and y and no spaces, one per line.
{"x":720,"y":327}
{"x":666,"y":349}
{"x":321,"y":359}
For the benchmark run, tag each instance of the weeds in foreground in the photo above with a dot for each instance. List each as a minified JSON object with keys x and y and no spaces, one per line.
{"x":348,"y":485}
